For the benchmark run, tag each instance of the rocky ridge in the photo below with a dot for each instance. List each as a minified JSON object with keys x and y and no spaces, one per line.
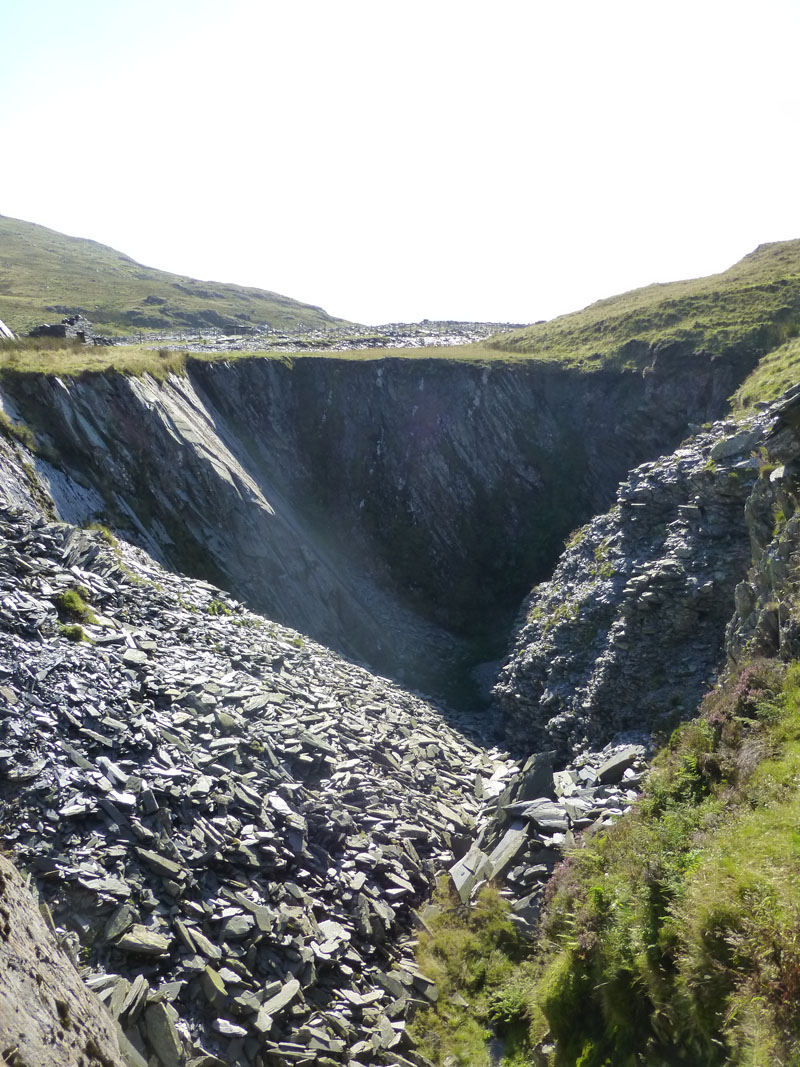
{"x":231,"y":825}
{"x":630,"y":630}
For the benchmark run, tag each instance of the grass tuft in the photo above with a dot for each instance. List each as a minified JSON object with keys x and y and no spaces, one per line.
{"x":71,"y":605}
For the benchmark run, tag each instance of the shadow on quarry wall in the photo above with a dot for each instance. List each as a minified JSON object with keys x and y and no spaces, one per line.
{"x":396,"y":510}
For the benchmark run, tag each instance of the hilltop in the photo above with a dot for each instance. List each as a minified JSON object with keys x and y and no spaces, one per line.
{"x":755,"y":302}
{"x":45,"y":275}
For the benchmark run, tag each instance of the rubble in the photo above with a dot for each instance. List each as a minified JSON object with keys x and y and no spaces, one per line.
{"x":73,"y":328}
{"x":525,"y":838}
{"x":230,"y":825}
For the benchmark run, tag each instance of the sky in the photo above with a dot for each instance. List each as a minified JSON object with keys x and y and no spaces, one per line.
{"x":502,"y":162}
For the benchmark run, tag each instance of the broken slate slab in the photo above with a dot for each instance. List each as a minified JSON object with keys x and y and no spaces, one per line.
{"x":468,"y":871}
{"x":611,"y":772}
{"x":508,"y":848}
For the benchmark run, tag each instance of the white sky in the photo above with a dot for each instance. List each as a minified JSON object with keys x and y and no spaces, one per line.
{"x":503,"y":161}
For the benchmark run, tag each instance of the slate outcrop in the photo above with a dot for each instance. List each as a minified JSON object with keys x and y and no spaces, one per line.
{"x":629,"y":632}
{"x":391,"y":508}
{"x":47,"y":1015}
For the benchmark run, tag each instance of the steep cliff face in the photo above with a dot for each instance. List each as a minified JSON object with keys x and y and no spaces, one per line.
{"x":395,"y":509}
{"x":765,"y":620}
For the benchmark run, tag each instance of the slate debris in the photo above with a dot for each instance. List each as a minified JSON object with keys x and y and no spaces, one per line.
{"x":522,"y":838}
{"x":231,"y":826}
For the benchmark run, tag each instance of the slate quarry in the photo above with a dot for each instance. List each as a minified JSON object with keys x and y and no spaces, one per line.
{"x":233,"y":831}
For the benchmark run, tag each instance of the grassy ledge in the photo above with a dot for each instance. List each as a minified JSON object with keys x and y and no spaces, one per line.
{"x":40,"y":356}
{"x":775,"y":373}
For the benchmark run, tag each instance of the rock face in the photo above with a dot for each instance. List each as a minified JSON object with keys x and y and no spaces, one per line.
{"x":630,"y":629}
{"x":762,"y":623}
{"x":396,"y":509}
{"x":233,"y":825}
{"x":47,"y":1015}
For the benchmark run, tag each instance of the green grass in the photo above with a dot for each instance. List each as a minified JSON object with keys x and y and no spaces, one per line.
{"x":471,"y":954}
{"x":17,"y":431}
{"x":72,"y":607}
{"x":755,"y":302}
{"x":45,"y":275}
{"x":67,"y":359}
{"x":72,"y":632}
{"x":775,"y":373}
{"x":673,"y":938}
{"x":35,"y":356}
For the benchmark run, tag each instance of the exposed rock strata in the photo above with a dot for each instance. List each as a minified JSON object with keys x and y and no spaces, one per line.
{"x":763,"y":622}
{"x":47,"y":1015}
{"x":629,"y":631}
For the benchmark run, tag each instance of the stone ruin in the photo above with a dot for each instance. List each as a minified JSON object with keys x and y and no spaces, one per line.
{"x":73,"y":328}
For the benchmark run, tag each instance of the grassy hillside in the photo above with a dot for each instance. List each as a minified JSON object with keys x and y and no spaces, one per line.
{"x":46,"y":275}
{"x":671,"y":939}
{"x":756,"y":300}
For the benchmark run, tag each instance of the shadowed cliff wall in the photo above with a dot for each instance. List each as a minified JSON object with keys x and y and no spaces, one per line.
{"x":396,"y":509}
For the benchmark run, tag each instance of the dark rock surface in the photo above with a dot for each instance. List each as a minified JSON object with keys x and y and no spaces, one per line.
{"x":763,"y":620}
{"x":47,"y":1015}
